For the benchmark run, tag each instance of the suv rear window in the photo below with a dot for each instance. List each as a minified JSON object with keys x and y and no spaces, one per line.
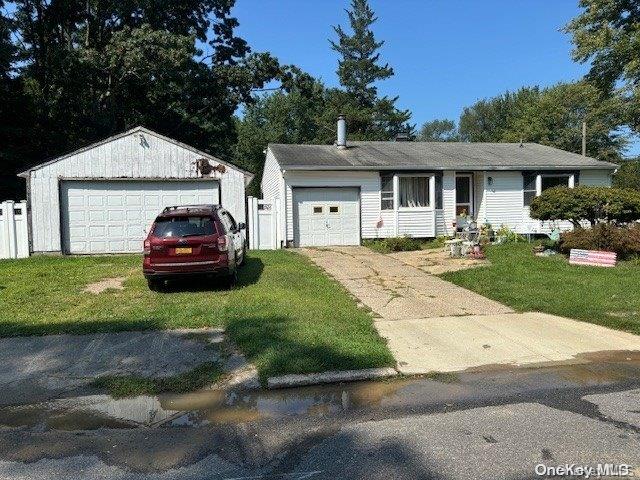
{"x":184,"y":227}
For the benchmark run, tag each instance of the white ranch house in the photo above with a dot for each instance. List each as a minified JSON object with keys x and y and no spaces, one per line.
{"x":104,"y":197}
{"x":340,"y":194}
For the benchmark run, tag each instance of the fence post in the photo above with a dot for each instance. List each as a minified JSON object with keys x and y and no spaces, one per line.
{"x":4,"y":232}
{"x":22,"y":231}
{"x":253,"y":227}
{"x":10,"y":219}
{"x":279,"y":223}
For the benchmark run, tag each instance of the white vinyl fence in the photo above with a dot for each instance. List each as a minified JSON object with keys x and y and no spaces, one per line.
{"x":14,"y":236}
{"x":264,"y":218}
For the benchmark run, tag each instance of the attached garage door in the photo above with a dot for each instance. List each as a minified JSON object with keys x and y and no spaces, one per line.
{"x":326,"y":216}
{"x":111,"y":216}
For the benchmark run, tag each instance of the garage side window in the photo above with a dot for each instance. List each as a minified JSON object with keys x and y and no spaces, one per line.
{"x":414,"y":192}
{"x":386,"y":192}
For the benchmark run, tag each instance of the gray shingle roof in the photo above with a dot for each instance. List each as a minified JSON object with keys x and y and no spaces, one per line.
{"x":431,"y":155}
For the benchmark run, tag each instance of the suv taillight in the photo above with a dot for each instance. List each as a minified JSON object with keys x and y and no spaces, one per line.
{"x":147,"y":247}
{"x":222,"y":243}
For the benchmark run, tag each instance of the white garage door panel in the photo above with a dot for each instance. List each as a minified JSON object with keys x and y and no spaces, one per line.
{"x":111,"y":216}
{"x":326,"y":216}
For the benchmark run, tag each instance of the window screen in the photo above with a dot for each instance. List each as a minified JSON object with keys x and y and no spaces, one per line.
{"x":463,"y":189}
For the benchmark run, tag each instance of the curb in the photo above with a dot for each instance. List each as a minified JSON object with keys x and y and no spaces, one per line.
{"x":295,"y":380}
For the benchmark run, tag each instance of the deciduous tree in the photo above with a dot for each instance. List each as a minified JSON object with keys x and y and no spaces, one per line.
{"x":438,"y":131}
{"x":550,"y":116}
{"x":607,"y":35}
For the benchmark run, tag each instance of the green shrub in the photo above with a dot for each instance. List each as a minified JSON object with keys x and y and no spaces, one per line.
{"x":625,"y":241}
{"x":628,"y":175}
{"x":549,"y":243}
{"x":592,"y":204}
{"x":437,"y":242}
{"x":393,"y":244}
{"x":509,"y":236}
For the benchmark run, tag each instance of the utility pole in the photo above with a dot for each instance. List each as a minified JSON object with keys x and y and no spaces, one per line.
{"x":584,"y":139}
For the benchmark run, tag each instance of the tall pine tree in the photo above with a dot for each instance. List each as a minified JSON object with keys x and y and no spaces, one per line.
{"x":359,"y":68}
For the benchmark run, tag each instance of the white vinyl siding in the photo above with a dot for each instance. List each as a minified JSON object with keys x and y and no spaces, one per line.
{"x":375,"y":223}
{"x":479,"y":193}
{"x":595,"y":178}
{"x":448,"y":201}
{"x":367,"y":182}
{"x":272,"y":184}
{"x":138,"y":154}
{"x":498,"y":199}
{"x":416,"y":223}
{"x":504,"y":201}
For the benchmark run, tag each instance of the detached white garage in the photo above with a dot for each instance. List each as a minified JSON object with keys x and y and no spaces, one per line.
{"x":103,"y":198}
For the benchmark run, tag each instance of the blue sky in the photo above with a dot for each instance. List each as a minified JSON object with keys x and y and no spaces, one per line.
{"x":446,"y":53}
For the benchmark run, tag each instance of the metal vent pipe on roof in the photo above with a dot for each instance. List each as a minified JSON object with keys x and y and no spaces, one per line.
{"x":342,"y":132}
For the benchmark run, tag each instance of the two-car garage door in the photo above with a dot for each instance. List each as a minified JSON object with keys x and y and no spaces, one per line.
{"x":111,"y":216}
{"x":326,"y":216}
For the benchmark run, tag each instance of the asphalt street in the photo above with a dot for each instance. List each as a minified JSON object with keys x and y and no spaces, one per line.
{"x":502,"y":424}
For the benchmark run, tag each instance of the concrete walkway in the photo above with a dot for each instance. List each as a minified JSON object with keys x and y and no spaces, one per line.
{"x":433,"y":325}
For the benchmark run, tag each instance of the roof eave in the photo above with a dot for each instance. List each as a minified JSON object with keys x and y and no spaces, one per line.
{"x":604,"y":166}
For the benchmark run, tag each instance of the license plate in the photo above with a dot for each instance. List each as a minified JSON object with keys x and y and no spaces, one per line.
{"x":183,"y":250}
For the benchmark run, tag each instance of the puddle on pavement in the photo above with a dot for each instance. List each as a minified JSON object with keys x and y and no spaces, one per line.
{"x":198,"y":408}
{"x":233,"y":407}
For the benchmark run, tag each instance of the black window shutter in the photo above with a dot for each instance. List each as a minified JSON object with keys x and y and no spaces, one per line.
{"x":439,"y":190}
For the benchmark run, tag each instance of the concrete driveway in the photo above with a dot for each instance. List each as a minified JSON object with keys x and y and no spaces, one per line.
{"x":433,"y":325}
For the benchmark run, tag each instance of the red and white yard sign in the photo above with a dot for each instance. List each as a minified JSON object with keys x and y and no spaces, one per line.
{"x":592,"y":257}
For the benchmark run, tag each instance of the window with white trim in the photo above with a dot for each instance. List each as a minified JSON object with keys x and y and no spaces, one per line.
{"x":529,"y":187}
{"x":550,"y":181}
{"x":386,"y":192}
{"x":533,"y":184}
{"x":414,"y":192}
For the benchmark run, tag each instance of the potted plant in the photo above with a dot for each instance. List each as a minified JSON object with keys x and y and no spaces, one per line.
{"x":487,"y":230}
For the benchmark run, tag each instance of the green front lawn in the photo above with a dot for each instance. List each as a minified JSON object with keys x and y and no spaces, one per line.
{"x":285,"y":314}
{"x":605,"y":296}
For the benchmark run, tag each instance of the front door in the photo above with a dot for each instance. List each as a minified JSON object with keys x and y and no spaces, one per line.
{"x":464,"y":197}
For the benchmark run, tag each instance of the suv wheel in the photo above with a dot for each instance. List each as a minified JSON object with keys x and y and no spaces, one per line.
{"x":155,"y":285}
{"x":231,"y":279}
{"x":244,"y":256}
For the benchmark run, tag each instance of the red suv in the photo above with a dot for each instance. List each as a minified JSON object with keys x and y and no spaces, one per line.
{"x":191,"y":240}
